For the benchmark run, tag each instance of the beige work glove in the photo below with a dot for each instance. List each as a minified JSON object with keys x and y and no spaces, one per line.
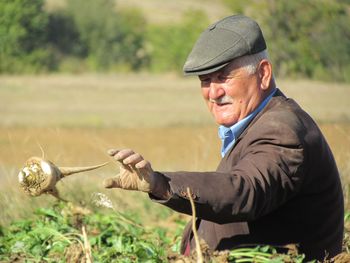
{"x":135,"y":172}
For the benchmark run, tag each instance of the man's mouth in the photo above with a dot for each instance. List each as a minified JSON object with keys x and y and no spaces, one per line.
{"x":222,"y":104}
{"x":223,"y":101}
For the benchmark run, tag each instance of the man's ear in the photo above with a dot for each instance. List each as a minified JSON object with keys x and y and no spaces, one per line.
{"x":265,"y":74}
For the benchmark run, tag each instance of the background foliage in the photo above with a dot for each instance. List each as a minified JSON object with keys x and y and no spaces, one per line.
{"x":23,"y":36}
{"x":306,"y":38}
{"x":169,"y":45}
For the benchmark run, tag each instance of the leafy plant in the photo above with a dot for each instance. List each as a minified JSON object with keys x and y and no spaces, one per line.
{"x":55,"y":235}
{"x":262,"y":254}
{"x":55,"y":232}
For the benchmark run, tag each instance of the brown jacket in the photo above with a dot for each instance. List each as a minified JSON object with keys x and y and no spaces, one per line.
{"x":278,"y":185}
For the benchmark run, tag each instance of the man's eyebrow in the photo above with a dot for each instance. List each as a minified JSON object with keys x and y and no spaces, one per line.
{"x":228,"y":69}
{"x":201,"y":77}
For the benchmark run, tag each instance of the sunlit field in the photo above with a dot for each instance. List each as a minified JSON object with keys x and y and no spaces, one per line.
{"x":74,"y":120}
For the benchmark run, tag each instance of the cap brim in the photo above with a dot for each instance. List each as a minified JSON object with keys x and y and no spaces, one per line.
{"x":205,"y":71}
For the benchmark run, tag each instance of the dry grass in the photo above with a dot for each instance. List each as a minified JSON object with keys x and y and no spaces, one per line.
{"x":100,"y":101}
{"x":326,"y":102}
{"x":168,"y":148}
{"x":138,"y":100}
{"x":75,"y":119}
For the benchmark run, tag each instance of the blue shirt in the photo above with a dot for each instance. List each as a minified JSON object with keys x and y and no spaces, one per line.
{"x":228,"y":135}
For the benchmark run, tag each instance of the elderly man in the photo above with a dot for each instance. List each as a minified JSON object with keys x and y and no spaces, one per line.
{"x":277,"y":182}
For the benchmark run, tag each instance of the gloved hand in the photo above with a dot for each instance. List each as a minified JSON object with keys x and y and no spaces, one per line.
{"x":136,"y":174}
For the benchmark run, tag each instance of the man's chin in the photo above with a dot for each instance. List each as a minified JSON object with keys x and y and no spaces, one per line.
{"x":225,"y":118}
{"x":225,"y":122}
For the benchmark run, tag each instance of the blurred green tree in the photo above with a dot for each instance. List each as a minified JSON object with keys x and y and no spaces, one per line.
{"x":23,"y":36}
{"x":169,"y":45}
{"x":108,"y":36}
{"x":63,"y":35}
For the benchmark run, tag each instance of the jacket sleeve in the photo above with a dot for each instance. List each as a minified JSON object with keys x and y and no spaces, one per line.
{"x":268,"y":173}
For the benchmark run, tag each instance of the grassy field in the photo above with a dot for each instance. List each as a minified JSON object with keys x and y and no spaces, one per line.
{"x":73,"y":120}
{"x":76,"y":119}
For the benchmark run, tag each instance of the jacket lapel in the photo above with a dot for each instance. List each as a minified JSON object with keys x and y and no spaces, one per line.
{"x":274,"y":100}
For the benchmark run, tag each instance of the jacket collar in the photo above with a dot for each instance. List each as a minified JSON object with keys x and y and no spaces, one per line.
{"x":272,"y":102}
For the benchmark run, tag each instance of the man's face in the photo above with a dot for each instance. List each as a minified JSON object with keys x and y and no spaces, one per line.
{"x":231,"y":93}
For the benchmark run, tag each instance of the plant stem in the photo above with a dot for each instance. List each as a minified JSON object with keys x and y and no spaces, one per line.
{"x":198,"y":247}
{"x":87,"y":246}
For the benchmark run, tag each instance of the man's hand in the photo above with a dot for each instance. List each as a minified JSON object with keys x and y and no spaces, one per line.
{"x":135,"y":172}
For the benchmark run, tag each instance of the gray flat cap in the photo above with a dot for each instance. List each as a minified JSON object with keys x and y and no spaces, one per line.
{"x":223,"y":41}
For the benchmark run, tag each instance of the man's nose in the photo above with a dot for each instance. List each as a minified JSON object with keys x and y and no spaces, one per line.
{"x":216,"y":90}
